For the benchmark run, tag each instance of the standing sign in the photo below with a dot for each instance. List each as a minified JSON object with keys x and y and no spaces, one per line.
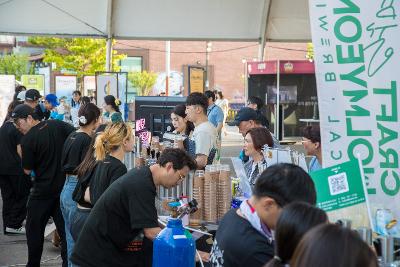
{"x":34,"y":82}
{"x":106,"y":84}
{"x":65,"y":86}
{"x":357,"y":70}
{"x":7,"y":89}
{"x":196,"y":80}
{"x":46,"y":72}
{"x":122,"y":93}
{"x":339,"y":186}
{"x":89,"y":85}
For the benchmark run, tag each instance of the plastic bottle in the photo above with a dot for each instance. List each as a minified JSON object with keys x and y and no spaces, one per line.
{"x":174,"y":246}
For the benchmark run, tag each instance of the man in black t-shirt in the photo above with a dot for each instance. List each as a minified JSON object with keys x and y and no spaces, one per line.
{"x":14,"y":184}
{"x":125,"y":216}
{"x":244,"y":236}
{"x":41,"y":158}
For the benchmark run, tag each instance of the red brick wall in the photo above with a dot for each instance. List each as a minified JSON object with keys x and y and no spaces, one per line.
{"x":228,"y":66}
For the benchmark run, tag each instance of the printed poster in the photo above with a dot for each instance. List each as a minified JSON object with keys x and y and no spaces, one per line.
{"x":65,"y":86}
{"x":196,"y":80}
{"x":34,"y":82}
{"x":106,"y":84}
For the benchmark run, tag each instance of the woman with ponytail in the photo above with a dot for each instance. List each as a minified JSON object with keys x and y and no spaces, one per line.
{"x":111,"y":106}
{"x":295,"y":220}
{"x":98,"y":173}
{"x":74,"y":151}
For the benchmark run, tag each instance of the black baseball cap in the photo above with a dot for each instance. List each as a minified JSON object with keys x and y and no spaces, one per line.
{"x":32,"y":95}
{"x":244,"y":114}
{"x":22,"y":111}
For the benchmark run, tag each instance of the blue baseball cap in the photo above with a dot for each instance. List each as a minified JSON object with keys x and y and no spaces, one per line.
{"x":52,"y":99}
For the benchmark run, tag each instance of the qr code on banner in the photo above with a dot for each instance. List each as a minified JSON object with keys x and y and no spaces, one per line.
{"x":338,"y":184}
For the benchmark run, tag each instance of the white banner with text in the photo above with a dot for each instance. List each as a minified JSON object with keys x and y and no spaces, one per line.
{"x":357,"y":46}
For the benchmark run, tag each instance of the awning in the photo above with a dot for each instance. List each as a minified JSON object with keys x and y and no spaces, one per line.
{"x":241,"y":20}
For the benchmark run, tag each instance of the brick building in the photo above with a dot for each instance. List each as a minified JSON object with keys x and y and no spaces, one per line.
{"x":226,"y":67}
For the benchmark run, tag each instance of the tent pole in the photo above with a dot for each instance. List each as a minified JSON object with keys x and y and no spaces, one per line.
{"x":261,"y":48}
{"x":167,"y":65}
{"x":108,"y":54}
{"x":278,"y":78}
{"x":109,"y":36}
{"x":263,"y":30}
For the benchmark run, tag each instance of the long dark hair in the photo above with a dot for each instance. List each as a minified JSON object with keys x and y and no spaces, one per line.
{"x":110,"y":100}
{"x":295,"y":220}
{"x":85,"y":100}
{"x":179,"y":110}
{"x":90,"y":112}
{"x":89,"y":161}
{"x":331,"y":245}
{"x":73,"y":103}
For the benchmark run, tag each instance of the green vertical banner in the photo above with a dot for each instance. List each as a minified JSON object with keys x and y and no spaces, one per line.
{"x":34,"y":82}
{"x":356,"y":52}
{"x":339,"y":186}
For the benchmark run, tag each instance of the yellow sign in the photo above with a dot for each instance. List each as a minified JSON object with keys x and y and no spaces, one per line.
{"x":196,"y":80}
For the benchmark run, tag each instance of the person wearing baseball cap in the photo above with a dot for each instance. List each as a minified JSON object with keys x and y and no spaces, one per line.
{"x":14,"y":184}
{"x":51,"y":101}
{"x":246,"y":119}
{"x":46,"y":110}
{"x":24,"y":118}
{"x":32,"y":97}
{"x":18,"y":89}
{"x":41,"y":147}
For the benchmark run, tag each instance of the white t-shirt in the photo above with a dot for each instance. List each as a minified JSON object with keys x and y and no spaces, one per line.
{"x":205,"y":136}
{"x":223,"y":104}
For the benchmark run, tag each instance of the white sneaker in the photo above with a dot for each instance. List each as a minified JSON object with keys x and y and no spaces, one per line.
{"x":15,"y":231}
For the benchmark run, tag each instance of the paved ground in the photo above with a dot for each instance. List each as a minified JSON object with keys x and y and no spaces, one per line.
{"x":13,"y":249}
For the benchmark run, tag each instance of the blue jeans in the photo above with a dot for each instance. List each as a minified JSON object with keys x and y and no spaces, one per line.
{"x":78,"y":221}
{"x":68,"y":209}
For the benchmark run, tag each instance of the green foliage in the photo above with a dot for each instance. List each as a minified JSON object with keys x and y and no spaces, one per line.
{"x":142,"y":81}
{"x":15,"y":64}
{"x":82,"y":56}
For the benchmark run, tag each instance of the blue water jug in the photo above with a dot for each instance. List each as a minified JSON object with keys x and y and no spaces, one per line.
{"x":174,"y":246}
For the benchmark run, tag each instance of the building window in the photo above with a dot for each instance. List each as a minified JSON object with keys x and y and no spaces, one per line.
{"x":131,"y":64}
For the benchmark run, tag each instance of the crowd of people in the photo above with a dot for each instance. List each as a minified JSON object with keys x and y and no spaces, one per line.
{"x":68,"y":164}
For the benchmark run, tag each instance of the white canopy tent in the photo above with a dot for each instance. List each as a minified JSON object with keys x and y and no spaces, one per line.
{"x":241,"y":20}
{"x":227,"y":20}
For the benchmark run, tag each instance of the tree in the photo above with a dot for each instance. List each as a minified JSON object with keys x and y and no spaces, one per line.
{"x":15,"y":64}
{"x":143,"y":81}
{"x":82,"y":56}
